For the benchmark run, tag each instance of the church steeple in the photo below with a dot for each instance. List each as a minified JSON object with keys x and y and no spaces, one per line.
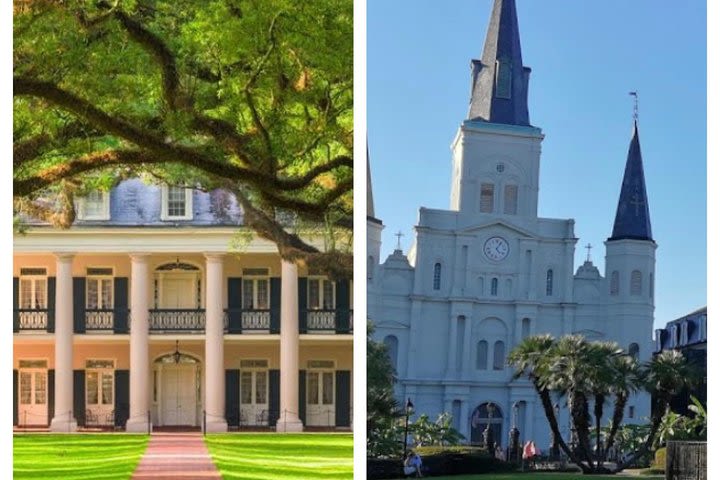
{"x":632,"y":220}
{"x":499,"y":80}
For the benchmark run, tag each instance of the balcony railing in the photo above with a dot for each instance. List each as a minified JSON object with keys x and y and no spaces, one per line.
{"x":328,"y":321}
{"x":32,"y":319}
{"x":99,"y":319}
{"x":238,"y":320}
{"x":189,"y":320}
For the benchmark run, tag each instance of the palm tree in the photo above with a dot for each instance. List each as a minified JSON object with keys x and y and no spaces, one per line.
{"x":665,"y":376}
{"x":625,"y":381}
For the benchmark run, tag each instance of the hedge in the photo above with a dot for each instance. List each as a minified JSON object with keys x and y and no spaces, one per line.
{"x":443,"y":462}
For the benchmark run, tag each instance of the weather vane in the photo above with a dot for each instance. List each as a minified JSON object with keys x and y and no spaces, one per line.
{"x":399,"y":234}
{"x":636,"y":113}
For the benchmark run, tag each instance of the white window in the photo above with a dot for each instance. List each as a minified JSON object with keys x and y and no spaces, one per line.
{"x":33,"y":288}
{"x":321,"y":382}
{"x":94,"y":206}
{"x":321,"y":294}
{"x":437,"y":272}
{"x":99,"y":382}
{"x":511,"y":199}
{"x":494,"y":287}
{"x":481,"y":355}
{"x":99,"y":288}
{"x":549,"y":283}
{"x":256,"y":293}
{"x":635,"y":282}
{"x":487,"y":197}
{"x":499,"y":355}
{"x":177,"y":203}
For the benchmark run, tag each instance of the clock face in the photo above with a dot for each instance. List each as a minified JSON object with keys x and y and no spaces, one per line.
{"x":496,"y":248}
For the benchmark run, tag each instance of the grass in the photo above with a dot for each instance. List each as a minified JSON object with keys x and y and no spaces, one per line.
{"x":282,"y":456}
{"x":77,"y":456}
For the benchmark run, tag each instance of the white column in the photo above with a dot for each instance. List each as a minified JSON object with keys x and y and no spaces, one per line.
{"x":289,"y":420}
{"x":451,"y":371}
{"x":139,"y":352}
{"x":214,"y":343}
{"x":464,"y":420}
{"x":63,"y":418}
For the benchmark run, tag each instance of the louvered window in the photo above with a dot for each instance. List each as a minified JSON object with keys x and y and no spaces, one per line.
{"x":487,"y":197}
{"x":511,"y":199}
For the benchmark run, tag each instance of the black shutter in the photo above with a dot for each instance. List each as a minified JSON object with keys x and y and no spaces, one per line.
{"x":51,"y":304}
{"x":274,"y":397}
{"x":51,"y":395}
{"x":232,"y":397}
{"x":79,"y":304}
{"x":15,"y":397}
{"x":120,"y":307}
{"x":302,"y":397}
{"x":302,"y":304}
{"x":122,"y":397}
{"x":16,"y":304}
{"x":275,"y":299}
{"x":79,"y":396}
{"x":342,"y":398}
{"x":234,"y":304}
{"x":342,"y":307}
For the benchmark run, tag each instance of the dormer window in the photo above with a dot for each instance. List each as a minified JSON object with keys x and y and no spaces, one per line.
{"x":177,"y":203}
{"x":94,"y":206}
{"x":503,"y":79}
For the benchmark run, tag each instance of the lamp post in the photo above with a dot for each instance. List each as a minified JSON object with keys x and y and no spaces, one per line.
{"x":514,"y":433}
{"x":488,"y":434}
{"x":408,"y":411}
{"x":554,"y":444}
{"x":177,"y":354}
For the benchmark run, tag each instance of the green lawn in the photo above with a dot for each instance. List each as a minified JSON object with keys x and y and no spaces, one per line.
{"x":257,"y":456}
{"x":77,"y":456}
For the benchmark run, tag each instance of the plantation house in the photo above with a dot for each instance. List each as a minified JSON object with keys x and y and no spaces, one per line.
{"x":143,"y":312}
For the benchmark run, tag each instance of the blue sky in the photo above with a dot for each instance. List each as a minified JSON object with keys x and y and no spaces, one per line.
{"x":585,"y":58}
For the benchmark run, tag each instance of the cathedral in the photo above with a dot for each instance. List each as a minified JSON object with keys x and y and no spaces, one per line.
{"x":487,"y":272}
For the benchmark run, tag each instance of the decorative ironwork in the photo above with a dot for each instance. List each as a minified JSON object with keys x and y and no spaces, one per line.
{"x":321,"y":320}
{"x":256,"y":320}
{"x":178,"y":265}
{"x":177,"y":320}
{"x":99,"y":319}
{"x":32,"y":319}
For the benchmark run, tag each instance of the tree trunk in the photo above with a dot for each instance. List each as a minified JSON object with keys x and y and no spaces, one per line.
{"x":580,"y":416}
{"x":598,"y":410}
{"x":618,"y":413}
{"x":655,"y":426}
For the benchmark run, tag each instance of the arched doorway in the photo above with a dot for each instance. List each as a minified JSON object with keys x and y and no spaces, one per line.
{"x":486,"y":414}
{"x":176,"y":390}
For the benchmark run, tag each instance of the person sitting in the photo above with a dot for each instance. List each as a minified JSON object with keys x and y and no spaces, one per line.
{"x":413,"y":465}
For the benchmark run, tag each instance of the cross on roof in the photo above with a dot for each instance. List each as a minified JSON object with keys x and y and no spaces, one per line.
{"x":588,"y":247}
{"x":399,"y":234}
{"x":637,"y":202}
{"x":636,"y":112}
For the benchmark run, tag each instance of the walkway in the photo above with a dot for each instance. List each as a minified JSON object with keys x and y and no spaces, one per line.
{"x":176,"y":455}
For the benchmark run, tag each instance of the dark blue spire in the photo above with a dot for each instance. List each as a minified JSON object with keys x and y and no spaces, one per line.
{"x":632,"y":219}
{"x":499,"y":80}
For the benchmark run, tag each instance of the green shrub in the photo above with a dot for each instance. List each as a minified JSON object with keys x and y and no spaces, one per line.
{"x":437,"y":450}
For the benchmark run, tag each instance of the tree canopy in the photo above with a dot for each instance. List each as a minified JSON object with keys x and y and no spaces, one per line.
{"x":252,"y":96}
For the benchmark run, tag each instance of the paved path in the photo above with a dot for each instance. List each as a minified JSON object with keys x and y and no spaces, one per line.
{"x":176,"y":455}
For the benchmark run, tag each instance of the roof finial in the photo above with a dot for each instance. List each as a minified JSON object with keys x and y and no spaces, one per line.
{"x":399,"y":234}
{"x":636,"y":113}
{"x":588,"y":247}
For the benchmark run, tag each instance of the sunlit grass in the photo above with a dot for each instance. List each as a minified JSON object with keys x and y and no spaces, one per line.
{"x":77,"y":456}
{"x":282,"y":456}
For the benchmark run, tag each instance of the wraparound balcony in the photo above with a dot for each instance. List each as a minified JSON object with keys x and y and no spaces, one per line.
{"x":31,"y":319}
{"x":177,"y":320}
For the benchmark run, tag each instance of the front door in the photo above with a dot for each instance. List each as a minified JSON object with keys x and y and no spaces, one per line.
{"x":179,"y":403}
{"x":178,"y":292}
{"x":254,"y":397}
{"x":32,"y":401}
{"x":321,"y":398}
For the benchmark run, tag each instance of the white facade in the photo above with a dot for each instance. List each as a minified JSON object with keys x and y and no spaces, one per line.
{"x":488,"y":272}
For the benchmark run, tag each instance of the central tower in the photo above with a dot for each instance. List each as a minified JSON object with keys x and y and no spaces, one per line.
{"x":496,"y":153}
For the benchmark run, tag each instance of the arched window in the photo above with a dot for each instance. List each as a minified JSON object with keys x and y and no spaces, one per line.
{"x":635,"y":282}
{"x":391,"y":344}
{"x":634,"y":350}
{"x":494,"y":287}
{"x":487,"y":197}
{"x":615,"y":283}
{"x":499,"y":355}
{"x":549,"y":283}
{"x":370,"y":265}
{"x":511,"y":200}
{"x":486,"y":414}
{"x":482,"y":355}
{"x":436,"y":276}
